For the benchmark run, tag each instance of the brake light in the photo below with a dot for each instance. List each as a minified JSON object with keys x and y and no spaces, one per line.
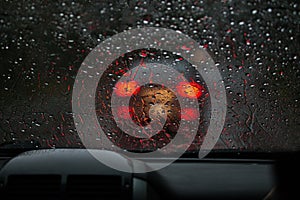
{"x":126,"y":89}
{"x":190,"y":90}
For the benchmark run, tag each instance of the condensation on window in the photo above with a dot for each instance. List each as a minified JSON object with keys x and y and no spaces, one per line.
{"x":254,"y":44}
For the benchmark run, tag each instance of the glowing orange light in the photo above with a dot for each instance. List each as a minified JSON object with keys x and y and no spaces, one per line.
{"x":124,"y":112}
{"x":190,"y":90}
{"x":189,"y":114}
{"x":125,"y":89}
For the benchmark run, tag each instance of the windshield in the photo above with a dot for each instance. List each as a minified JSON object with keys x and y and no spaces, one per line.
{"x":255,"y":46}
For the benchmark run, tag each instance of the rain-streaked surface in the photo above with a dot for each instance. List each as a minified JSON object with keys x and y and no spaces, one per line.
{"x":255,"y":45}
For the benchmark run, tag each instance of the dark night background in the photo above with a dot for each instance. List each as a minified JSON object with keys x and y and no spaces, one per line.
{"x":255,"y":45}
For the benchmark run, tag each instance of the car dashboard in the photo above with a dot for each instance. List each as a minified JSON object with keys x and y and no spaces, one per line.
{"x":76,"y":174}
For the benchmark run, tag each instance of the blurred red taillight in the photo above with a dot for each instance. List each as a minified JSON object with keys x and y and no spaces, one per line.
{"x":126,"y":89}
{"x":190,"y":90}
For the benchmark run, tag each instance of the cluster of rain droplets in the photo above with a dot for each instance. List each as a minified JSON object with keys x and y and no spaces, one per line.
{"x":254,"y":44}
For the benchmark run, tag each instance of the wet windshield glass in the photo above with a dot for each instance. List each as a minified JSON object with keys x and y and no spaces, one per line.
{"x":254,"y":44}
